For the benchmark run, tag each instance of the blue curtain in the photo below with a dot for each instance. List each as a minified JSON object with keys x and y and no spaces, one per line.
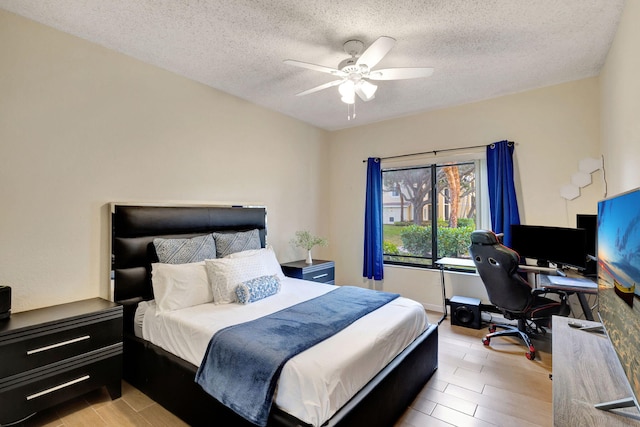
{"x":502,"y":192}
{"x":373,"y":263}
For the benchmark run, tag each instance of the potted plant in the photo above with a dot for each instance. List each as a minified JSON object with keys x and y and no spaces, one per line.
{"x":306,"y":240}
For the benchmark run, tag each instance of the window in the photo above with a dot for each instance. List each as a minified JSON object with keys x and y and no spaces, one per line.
{"x":416,"y":195}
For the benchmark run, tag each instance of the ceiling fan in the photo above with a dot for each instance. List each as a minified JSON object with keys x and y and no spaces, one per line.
{"x":355,"y":72}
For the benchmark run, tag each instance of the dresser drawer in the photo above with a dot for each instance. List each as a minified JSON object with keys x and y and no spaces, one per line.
{"x":324,"y":275}
{"x":24,"y":394}
{"x":47,"y":345}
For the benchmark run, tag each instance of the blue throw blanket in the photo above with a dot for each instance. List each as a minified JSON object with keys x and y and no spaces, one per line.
{"x":243,"y":362}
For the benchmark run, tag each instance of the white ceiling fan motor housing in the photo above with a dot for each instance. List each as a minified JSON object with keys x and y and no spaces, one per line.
{"x":349,"y":65}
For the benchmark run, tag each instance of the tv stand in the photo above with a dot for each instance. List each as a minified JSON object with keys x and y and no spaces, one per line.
{"x":627,"y":402}
{"x":586,"y":373}
{"x":598,"y":329}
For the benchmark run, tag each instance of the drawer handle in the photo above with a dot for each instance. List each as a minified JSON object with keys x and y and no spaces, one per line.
{"x":58,"y":387}
{"x":60,"y":344}
{"x":320,"y":276}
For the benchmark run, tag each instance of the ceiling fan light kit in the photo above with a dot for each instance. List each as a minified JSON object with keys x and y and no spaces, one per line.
{"x":366,"y":90}
{"x":348,"y":92}
{"x":354,"y":72}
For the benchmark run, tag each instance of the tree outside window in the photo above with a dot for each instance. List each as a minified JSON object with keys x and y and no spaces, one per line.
{"x":415,"y":196}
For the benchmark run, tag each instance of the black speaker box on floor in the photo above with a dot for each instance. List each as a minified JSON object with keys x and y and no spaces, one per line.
{"x":5,"y":301}
{"x":465,"y":312}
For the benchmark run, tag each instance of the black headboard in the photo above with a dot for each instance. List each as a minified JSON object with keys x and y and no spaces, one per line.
{"x":135,"y":227}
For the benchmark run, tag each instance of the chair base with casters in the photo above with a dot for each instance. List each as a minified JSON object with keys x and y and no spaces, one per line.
{"x":521,"y":330}
{"x":530,"y":326}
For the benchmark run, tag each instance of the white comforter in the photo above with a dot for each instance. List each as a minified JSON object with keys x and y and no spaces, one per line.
{"x":316,"y":383}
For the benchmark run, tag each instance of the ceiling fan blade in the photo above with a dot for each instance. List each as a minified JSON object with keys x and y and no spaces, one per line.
{"x":315,"y":67}
{"x":400,"y":73}
{"x":376,"y":51}
{"x":319,"y":88}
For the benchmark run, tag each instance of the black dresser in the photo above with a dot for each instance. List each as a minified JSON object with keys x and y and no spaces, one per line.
{"x":53,"y":354}
{"x":320,"y":271}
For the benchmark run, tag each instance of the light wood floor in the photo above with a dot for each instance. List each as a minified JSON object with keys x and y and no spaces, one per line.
{"x":484,"y":386}
{"x":473,"y":386}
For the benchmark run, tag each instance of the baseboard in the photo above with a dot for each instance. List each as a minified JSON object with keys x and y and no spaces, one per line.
{"x":432,"y":307}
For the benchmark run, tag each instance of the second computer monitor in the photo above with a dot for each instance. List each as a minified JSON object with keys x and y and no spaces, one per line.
{"x":590,"y":224}
{"x":561,"y":246}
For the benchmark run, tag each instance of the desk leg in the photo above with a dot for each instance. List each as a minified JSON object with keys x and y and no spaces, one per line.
{"x":585,"y":306}
{"x":444,"y":296}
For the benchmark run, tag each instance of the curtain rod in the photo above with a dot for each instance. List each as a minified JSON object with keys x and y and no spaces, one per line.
{"x":434,"y":152}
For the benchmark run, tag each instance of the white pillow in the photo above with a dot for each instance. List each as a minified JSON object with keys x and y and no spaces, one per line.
{"x":225,"y":274}
{"x":267,"y":256}
{"x":178,"y":286}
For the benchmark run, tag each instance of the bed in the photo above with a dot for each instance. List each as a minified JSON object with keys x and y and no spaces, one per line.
{"x":168,"y":378}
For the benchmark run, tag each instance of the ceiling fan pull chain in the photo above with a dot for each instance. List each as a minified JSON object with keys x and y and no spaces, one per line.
{"x":351,"y":114}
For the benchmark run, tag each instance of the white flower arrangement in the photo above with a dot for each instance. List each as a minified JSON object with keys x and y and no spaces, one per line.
{"x":306,"y":240}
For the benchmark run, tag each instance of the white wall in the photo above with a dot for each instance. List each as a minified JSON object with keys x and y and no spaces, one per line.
{"x":620,"y":86}
{"x":554,"y":128}
{"x":82,"y":126}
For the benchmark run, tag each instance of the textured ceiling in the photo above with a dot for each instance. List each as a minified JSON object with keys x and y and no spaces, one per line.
{"x":479,"y":49}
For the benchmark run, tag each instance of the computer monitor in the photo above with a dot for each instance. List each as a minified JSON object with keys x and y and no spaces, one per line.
{"x":558,"y":245}
{"x":590,"y":224}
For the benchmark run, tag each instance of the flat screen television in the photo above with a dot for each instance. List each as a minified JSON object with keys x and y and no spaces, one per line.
{"x":561,"y":246}
{"x":619,"y":284}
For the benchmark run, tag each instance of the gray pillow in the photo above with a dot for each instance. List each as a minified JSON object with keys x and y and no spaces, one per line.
{"x":183,"y":251}
{"x":229,"y":243}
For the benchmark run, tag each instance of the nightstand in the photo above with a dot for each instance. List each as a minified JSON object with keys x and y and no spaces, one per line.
{"x":320,"y":271}
{"x":53,"y":354}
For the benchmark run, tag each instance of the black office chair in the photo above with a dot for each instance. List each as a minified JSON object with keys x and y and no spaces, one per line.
{"x":510,"y":293}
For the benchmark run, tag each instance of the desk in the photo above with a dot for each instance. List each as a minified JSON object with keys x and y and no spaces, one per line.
{"x":454,"y":263}
{"x":579,"y":285}
{"x":586,"y":371}
{"x":536,"y":269}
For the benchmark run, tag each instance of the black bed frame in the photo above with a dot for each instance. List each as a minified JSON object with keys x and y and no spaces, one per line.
{"x":169,"y":380}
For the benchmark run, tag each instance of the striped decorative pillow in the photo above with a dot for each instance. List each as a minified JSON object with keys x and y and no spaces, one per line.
{"x":228,"y":243}
{"x":183,"y":251}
